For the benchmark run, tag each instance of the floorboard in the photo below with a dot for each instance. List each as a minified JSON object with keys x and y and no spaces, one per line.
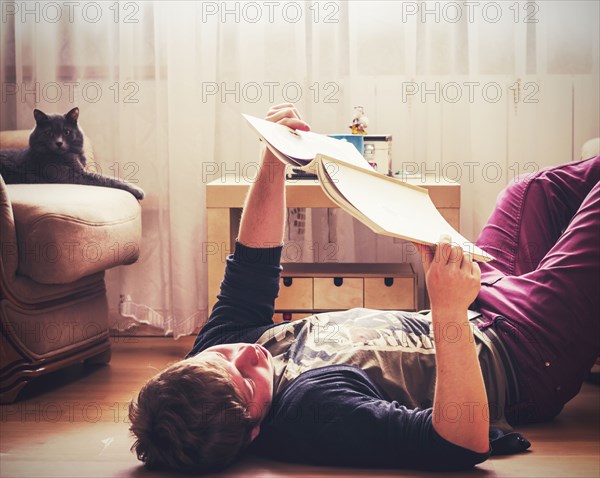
{"x":74,"y":424}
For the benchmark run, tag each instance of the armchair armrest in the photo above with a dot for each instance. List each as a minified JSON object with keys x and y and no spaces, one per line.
{"x":8,"y":238}
{"x":65,"y":232}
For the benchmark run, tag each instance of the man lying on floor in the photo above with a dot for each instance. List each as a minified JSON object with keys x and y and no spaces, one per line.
{"x":389,"y":389}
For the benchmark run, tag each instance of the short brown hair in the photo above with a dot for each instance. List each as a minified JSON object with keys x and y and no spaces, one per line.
{"x":190,"y":417}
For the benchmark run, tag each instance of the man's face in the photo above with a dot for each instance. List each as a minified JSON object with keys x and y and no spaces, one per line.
{"x":250,"y":367}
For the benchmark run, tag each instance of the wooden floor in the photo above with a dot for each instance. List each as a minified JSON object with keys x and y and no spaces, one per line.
{"x":74,"y":424}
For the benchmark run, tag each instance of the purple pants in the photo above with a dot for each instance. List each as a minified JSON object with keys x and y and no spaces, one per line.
{"x":542,"y":293}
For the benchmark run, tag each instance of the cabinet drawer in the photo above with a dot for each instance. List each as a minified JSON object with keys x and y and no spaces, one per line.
{"x":295,"y":293}
{"x":397,"y":294}
{"x":347,"y":295}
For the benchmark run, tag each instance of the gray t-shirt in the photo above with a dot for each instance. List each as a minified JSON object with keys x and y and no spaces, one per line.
{"x":395,"y":349}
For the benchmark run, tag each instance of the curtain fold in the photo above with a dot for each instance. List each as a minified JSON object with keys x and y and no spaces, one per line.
{"x":161,"y":87}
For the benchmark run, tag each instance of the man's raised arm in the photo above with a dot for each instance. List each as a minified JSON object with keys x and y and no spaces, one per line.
{"x":263,"y":218}
{"x":251,"y":281}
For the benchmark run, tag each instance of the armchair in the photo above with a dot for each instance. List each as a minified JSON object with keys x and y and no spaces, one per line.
{"x":56,"y":241}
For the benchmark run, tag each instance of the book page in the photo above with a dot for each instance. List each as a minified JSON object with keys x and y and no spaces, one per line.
{"x":389,"y":206}
{"x":328,"y":186}
{"x":303,"y":146}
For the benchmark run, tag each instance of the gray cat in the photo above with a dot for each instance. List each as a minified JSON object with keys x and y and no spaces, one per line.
{"x":55,"y":155}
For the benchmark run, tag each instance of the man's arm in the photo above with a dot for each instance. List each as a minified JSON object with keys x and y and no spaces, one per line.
{"x":263,"y":218}
{"x":460,"y":410}
{"x":250,"y":285}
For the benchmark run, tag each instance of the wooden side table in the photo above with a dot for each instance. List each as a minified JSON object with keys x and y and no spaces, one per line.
{"x":225,"y":198}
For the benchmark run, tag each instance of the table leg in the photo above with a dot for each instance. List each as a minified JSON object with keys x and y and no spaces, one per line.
{"x":216,"y":249}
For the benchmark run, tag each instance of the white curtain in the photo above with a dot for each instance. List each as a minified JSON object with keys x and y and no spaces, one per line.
{"x":479,"y":92}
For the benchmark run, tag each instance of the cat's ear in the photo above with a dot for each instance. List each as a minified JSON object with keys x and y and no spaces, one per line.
{"x":72,"y":115}
{"x":40,"y":116}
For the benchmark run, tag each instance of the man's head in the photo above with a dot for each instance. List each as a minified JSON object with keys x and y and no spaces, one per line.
{"x":198,"y":414}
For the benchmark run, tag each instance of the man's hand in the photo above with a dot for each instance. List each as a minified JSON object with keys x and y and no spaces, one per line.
{"x":288,"y":115}
{"x":452,"y":278}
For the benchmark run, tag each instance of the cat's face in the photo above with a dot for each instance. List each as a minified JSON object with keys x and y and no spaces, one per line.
{"x":56,"y":134}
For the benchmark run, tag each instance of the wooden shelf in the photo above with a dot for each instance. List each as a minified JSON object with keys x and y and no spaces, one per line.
{"x":345,"y":269}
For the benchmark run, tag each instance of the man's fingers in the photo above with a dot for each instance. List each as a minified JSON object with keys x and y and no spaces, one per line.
{"x":284,"y":105}
{"x":455,"y":256}
{"x":289,"y":117}
{"x":295,"y":123}
{"x":276,"y":108}
{"x":443,"y":250}
{"x":279,"y":114}
{"x":467,"y":261}
{"x":426,"y":253}
{"x":475,"y":270}
{"x":284,"y":111}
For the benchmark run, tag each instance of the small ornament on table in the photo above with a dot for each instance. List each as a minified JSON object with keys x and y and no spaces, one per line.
{"x":360,"y":121}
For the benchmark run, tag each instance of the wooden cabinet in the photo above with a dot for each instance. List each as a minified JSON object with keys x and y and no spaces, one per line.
{"x":309,"y":288}
{"x":225,"y":198}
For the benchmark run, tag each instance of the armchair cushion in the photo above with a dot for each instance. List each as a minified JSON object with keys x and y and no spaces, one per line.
{"x":66,"y":231}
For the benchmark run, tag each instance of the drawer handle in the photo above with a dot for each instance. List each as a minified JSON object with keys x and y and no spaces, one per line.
{"x":338,"y":281}
{"x":388,"y":281}
{"x":287,"y":281}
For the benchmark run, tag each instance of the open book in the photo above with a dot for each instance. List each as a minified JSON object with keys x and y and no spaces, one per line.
{"x":386,"y":205}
